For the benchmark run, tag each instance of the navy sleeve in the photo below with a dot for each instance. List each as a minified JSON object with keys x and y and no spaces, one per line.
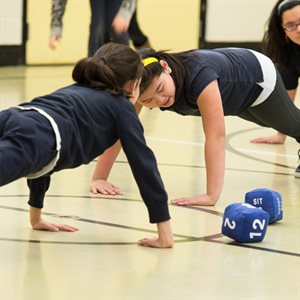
{"x":38,"y":188}
{"x":143,"y":165}
{"x":201,"y":80}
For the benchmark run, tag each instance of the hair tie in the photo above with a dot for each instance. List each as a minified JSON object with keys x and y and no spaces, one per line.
{"x":283,"y":3}
{"x":149,"y":60}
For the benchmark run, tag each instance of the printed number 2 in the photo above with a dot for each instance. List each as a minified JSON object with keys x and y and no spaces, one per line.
{"x":230,"y":225}
{"x":257,"y":223}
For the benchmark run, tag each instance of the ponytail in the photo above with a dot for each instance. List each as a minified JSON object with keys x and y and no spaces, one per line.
{"x":109,"y":69}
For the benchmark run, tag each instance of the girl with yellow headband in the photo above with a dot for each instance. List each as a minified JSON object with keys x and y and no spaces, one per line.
{"x":211,"y":84}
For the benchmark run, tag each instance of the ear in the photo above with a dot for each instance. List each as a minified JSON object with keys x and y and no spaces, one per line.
{"x":132,"y":89}
{"x":165,"y":66}
{"x":132,"y":85}
{"x":137,"y":83}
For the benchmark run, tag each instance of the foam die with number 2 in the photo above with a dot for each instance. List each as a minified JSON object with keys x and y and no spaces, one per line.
{"x":245,"y":223}
{"x":268,"y":200}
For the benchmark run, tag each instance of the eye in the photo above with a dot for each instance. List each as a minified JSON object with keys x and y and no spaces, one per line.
{"x":146,"y":101}
{"x":290,"y":25}
{"x":160,"y":89}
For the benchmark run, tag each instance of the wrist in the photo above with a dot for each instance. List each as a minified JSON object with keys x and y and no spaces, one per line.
{"x":213,"y":198}
{"x":98,"y":178}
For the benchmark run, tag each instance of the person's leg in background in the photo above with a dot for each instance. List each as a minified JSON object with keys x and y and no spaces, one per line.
{"x":112,"y":10}
{"x":139,"y":39}
{"x":102,"y":15}
{"x":97,"y":25}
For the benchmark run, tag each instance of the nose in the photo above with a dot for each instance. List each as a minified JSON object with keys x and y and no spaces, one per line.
{"x":160,"y":100}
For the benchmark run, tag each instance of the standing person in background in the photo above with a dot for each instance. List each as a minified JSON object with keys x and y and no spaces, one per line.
{"x":109,"y":22}
{"x":139,"y":39}
{"x":281,"y":43}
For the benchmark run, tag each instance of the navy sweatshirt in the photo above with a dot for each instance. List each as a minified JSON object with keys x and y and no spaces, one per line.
{"x":89,"y":122}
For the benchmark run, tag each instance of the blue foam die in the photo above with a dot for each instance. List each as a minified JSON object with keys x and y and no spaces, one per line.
{"x":245,"y":223}
{"x":268,"y":200}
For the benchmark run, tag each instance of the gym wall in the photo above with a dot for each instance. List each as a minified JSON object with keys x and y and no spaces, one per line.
{"x":12,"y":43}
{"x":169,"y":24}
{"x":234,"y":22}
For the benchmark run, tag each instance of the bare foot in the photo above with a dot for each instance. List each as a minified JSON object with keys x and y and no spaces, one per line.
{"x":155,"y":243}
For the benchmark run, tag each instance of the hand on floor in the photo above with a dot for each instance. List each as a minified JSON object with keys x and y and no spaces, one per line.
{"x":44,"y":225}
{"x":203,"y":199}
{"x":104,"y":187}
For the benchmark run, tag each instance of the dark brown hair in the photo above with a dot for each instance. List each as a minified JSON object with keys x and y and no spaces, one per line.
{"x":274,"y":43}
{"x":109,"y":68}
{"x":155,"y":69}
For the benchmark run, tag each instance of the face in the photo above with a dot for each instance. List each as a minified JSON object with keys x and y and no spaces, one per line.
{"x":161,"y":92}
{"x":292,"y":17}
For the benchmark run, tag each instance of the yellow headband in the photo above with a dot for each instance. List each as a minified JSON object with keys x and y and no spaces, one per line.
{"x":149,"y":60}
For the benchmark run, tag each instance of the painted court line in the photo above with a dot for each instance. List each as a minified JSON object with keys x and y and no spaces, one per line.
{"x":245,"y":150}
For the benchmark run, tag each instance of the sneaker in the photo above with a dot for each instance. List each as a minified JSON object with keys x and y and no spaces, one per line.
{"x":297,"y":171}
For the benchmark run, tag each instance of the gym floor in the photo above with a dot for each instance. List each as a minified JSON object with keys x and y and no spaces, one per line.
{"x":103,"y":261}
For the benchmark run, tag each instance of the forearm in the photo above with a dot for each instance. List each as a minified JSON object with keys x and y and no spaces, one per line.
{"x":127,"y":9}
{"x":57,"y":12}
{"x":37,"y":190}
{"x":215,"y":166}
{"x":106,"y":161}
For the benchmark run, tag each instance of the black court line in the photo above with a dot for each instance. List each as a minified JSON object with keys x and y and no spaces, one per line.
{"x":236,"y":244}
{"x":237,"y":152}
{"x":227,"y":169}
{"x":209,"y":211}
{"x":183,"y":238}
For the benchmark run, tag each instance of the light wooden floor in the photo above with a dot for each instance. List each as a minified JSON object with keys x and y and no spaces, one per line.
{"x":103,"y":261}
